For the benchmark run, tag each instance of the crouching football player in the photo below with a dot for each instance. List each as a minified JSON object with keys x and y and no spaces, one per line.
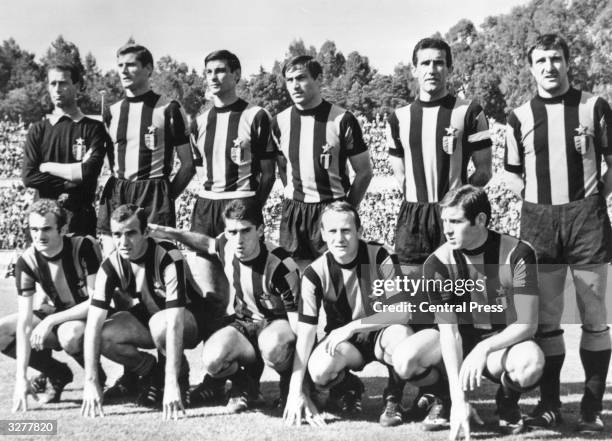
{"x":342,"y":281}
{"x":264,"y":283}
{"x":486,"y":326}
{"x":158,"y":305}
{"x":65,"y":269}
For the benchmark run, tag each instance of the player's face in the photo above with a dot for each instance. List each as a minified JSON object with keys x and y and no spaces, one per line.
{"x":243,"y":236}
{"x":432,"y":72}
{"x":550,"y":70}
{"x":134,"y":76}
{"x":459,"y":232}
{"x":46,"y":237}
{"x":62,"y":90}
{"x":129,"y":241}
{"x":340,"y":233}
{"x":220,"y":79}
{"x":305,"y":91}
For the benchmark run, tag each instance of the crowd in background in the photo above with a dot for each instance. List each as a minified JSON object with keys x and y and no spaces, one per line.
{"x":378,"y":210}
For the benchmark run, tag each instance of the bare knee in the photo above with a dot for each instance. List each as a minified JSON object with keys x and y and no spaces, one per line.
{"x":70,"y":337}
{"x":526,"y":370}
{"x":157,"y":327}
{"x":214,"y":359}
{"x":321,"y":372}
{"x":277,"y":351}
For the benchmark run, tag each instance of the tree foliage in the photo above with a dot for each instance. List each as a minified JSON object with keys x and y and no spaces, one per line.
{"x":489,"y":65}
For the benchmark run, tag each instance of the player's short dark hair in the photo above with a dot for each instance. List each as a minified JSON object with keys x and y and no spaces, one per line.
{"x":245,"y":210}
{"x":43,"y":207}
{"x":232,"y":60}
{"x":473,"y":200}
{"x":312,"y":66}
{"x":341,"y":207}
{"x":547,"y":42}
{"x":75,"y":72}
{"x":125,"y":212}
{"x":433,"y":43}
{"x":143,"y":55}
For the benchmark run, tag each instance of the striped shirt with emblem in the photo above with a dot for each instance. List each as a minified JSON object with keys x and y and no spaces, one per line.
{"x":63,"y":277}
{"x":317,"y":144}
{"x":345,"y":290}
{"x":266,"y":287}
{"x":145,"y":130}
{"x":159,"y":279}
{"x":558,"y":144}
{"x":231,"y":141}
{"x":436,"y":139}
{"x":500,"y":269}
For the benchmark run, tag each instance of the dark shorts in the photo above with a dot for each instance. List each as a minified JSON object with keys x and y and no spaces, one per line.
{"x":82,"y":221}
{"x":576,"y":233}
{"x":208,"y":320}
{"x":207,"y":215}
{"x":299,"y":229}
{"x":418,"y":232}
{"x":366,"y":347}
{"x":250,"y":329}
{"x":151,"y":194}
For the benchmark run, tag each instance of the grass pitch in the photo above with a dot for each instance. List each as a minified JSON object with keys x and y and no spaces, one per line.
{"x":133,"y":423}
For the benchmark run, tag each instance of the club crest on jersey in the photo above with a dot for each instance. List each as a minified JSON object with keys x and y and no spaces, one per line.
{"x":237,"y":151}
{"x":325,"y":158}
{"x":502,"y":297}
{"x":150,"y":138}
{"x":581,"y":140}
{"x":78,"y":149}
{"x":449,"y":141}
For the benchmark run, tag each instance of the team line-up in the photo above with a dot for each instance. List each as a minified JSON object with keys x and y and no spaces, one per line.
{"x":254,"y":303}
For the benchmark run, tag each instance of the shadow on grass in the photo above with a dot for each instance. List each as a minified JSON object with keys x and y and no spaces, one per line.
{"x":483,"y":399}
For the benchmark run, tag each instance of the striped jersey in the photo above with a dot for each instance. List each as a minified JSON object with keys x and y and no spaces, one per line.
{"x":159,"y":279}
{"x":231,"y":141}
{"x":316,"y":144}
{"x":436,"y":139}
{"x":558,"y":144}
{"x":501,"y":268}
{"x":62,"y":277}
{"x":145,"y":130}
{"x":265,"y":287}
{"x":345,"y":290}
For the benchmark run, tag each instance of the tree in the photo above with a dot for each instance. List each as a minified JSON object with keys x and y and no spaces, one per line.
{"x":268,"y":90}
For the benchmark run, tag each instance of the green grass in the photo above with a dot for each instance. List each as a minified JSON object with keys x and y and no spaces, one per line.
{"x":134,"y":423}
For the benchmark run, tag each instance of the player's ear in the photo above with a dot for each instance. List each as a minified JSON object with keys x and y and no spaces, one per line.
{"x":237,"y":73}
{"x":481,"y":220}
{"x":64,"y":229}
{"x":260,"y":231}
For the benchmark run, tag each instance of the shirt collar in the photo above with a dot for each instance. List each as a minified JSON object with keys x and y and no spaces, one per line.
{"x":56,"y":116}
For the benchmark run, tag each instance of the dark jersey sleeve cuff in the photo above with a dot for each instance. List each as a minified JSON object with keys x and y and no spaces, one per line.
{"x":100,"y":304}
{"x":308,"y":319}
{"x":513,"y":168}
{"x":485,"y":143}
{"x":396,"y":152}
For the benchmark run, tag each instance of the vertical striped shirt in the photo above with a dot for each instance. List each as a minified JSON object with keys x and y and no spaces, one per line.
{"x":159,"y":279}
{"x":317,"y":144}
{"x":145,"y":130}
{"x":345,"y":290}
{"x":501,"y":268}
{"x":232,"y":141}
{"x":558,"y":144}
{"x":63,"y":277}
{"x":436,"y":139}
{"x":263,"y":288}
